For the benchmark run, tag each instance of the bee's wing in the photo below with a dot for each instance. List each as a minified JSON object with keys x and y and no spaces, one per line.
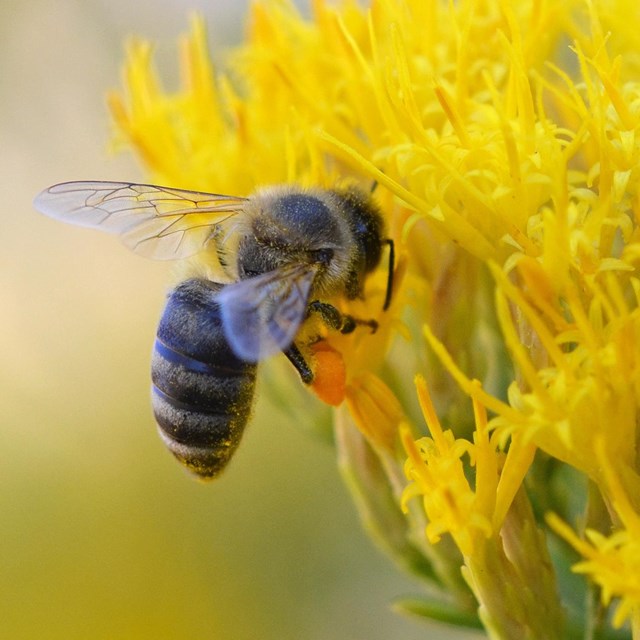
{"x":156,"y":222}
{"x":262,"y":315}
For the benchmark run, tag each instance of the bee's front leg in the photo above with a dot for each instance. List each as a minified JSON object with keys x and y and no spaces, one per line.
{"x":334,"y":319}
{"x":337,"y":320}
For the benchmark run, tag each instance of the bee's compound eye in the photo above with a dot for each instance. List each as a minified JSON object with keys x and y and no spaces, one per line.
{"x":322,"y":256}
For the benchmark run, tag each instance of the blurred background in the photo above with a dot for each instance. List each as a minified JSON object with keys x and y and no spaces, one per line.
{"x":102,"y":534}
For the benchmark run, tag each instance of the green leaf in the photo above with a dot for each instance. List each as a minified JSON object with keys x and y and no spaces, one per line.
{"x":437,"y":610}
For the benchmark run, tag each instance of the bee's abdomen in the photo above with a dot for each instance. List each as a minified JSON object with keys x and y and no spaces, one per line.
{"x":202,"y":392}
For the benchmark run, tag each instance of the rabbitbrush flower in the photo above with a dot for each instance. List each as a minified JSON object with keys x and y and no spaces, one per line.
{"x":504,"y":139}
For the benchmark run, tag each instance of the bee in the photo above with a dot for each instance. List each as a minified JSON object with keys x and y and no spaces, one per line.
{"x":280,"y":254}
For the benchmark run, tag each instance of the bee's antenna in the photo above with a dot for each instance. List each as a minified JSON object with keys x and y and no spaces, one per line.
{"x":392,"y":261}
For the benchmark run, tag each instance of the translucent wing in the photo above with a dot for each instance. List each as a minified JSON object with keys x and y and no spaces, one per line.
{"x":262,"y":315}
{"x":156,"y":222}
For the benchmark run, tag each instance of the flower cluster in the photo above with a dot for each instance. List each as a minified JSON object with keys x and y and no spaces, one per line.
{"x":504,"y":139}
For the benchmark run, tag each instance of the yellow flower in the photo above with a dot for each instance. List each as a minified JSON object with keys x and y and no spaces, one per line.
{"x":612,"y":562}
{"x":437,"y":473}
{"x":481,"y":519}
{"x":504,"y":139}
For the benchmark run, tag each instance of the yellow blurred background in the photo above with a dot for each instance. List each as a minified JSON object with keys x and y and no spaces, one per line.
{"x":102,"y":534}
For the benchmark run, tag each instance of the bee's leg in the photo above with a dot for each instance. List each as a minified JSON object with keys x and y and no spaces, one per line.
{"x":298,"y":361}
{"x":334,"y":319}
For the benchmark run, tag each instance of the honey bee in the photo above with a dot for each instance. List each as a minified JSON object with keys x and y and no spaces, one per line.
{"x":281,"y":253}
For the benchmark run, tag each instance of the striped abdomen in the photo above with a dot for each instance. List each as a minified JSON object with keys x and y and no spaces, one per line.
{"x":202,"y":392}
